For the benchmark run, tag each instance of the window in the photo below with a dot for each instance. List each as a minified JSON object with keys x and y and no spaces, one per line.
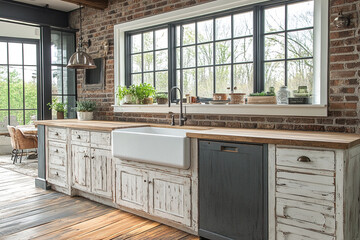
{"x":63,"y":78}
{"x":18,"y":81}
{"x":245,"y":50}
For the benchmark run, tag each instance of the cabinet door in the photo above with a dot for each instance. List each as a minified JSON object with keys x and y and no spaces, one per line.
{"x":131,"y":187}
{"x":170,"y":197}
{"x":101,"y":172}
{"x":80,"y":157}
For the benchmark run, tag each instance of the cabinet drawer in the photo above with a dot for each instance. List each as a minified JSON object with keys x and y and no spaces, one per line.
{"x":57,"y":152}
{"x":80,"y":136}
{"x":318,"y":160}
{"x":306,"y":215}
{"x":102,"y":139}
{"x":57,"y":176}
{"x":286,"y":232}
{"x":57,"y":133}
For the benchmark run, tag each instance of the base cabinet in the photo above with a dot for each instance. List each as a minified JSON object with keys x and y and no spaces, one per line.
{"x":81,"y":177}
{"x":159,"y":194}
{"x":101,"y":165}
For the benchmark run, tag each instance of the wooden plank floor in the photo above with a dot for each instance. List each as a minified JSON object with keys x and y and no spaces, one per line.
{"x":27,"y":212}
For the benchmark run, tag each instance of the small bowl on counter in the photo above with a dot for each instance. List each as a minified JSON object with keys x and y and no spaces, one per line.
{"x":237,"y":98}
{"x":220,"y":96}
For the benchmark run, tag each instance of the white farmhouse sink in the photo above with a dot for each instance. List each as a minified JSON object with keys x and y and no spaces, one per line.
{"x":162,"y":146}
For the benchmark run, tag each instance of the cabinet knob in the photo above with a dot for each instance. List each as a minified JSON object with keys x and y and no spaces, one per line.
{"x":149,"y":182}
{"x":92,"y":157}
{"x":303,"y":159}
{"x":57,"y":174}
{"x":144,"y":180}
{"x":78,"y":137}
{"x":56,"y":150}
{"x":56,"y":134}
{"x":86,"y":156}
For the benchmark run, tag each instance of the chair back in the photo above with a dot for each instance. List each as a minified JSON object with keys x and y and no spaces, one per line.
{"x":24,"y":142}
{"x":11,"y":130}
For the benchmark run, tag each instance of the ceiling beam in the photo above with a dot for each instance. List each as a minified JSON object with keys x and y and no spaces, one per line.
{"x":97,"y":4}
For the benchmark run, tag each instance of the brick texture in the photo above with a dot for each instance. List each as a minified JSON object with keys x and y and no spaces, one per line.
{"x":344,"y":70}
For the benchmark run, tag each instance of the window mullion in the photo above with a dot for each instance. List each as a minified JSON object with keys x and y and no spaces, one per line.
{"x":23,"y":81}
{"x":259,"y":48}
{"x":214,"y":55}
{"x":196,"y":59}
{"x":172,"y":56}
{"x":232,"y":54}
{"x":286,"y":52}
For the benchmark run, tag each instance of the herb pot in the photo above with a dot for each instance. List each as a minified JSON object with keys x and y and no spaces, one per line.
{"x":162,"y":100}
{"x":237,"y":98}
{"x":220,"y":96}
{"x":127,"y":99}
{"x":148,"y":100}
{"x":59,"y":115}
{"x":85,"y":116}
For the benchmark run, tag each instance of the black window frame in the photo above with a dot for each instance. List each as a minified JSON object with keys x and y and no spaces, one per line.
{"x":258,"y":10}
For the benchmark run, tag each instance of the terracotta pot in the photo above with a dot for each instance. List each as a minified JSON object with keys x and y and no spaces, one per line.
{"x":85,"y":116}
{"x":220,"y":96}
{"x":59,"y":115}
{"x":162,"y":100}
{"x":237,"y":98}
{"x":148,"y":100}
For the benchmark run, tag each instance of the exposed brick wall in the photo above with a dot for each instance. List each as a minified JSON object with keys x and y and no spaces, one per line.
{"x":344,"y":70}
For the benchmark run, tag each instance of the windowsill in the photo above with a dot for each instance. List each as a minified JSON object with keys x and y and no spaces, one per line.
{"x":300,"y":110}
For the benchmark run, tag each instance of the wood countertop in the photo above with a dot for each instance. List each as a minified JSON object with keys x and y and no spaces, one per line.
{"x":295,"y":138}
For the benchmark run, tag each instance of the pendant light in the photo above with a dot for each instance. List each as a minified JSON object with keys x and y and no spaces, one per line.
{"x":80,"y":59}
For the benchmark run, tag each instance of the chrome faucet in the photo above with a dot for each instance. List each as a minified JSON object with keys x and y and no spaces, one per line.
{"x":182,"y":117}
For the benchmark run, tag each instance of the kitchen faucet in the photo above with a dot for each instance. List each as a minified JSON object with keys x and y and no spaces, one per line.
{"x":182,"y":117}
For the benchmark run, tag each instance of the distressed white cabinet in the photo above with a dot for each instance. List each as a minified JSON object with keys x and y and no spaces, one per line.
{"x":159,"y":194}
{"x":101,"y":165}
{"x":81,"y":175}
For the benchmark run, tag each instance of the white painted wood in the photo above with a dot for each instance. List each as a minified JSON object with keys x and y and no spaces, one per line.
{"x":101,"y":163}
{"x":56,"y":167}
{"x":81,"y":171}
{"x":271,"y":191}
{"x":169,"y":197}
{"x":286,"y":232}
{"x":131,"y":187}
{"x":306,"y":171}
{"x":309,"y":178}
{"x":194,"y":185}
{"x":341,"y":157}
{"x":319,"y":159}
{"x":101,"y":140}
{"x":56,"y":133}
{"x":304,"y":199}
{"x":80,"y":136}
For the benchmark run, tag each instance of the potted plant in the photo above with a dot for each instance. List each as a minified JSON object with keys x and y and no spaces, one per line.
{"x":161,"y":98}
{"x":124,"y":95}
{"x":60,"y":108}
{"x":85,"y":109}
{"x":143,"y":93}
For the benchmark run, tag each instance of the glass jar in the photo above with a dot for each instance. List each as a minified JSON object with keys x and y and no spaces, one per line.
{"x":282,"y":96}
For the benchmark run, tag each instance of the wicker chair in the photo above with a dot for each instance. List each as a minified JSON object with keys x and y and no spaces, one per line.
{"x":14,"y":151}
{"x":24,"y":142}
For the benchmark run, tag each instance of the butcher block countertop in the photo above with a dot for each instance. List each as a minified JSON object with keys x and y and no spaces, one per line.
{"x":296,"y":138}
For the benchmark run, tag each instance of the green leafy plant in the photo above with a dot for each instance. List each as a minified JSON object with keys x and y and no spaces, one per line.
{"x":122,"y":92}
{"x":85,"y":106}
{"x":262,"y":94}
{"x":57,"y":106}
{"x":142,"y":91}
{"x":160,"y":95}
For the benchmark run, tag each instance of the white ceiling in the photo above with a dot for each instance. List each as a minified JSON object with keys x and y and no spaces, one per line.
{"x":53,"y":4}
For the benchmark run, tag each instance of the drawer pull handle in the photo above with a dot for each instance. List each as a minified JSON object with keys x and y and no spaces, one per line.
{"x":56,"y":150}
{"x":78,"y":137}
{"x":86,"y":156}
{"x":144,"y":180}
{"x":57,"y":174}
{"x":56,"y":134}
{"x":229,"y":149}
{"x":303,"y":159}
{"x":149,"y":182}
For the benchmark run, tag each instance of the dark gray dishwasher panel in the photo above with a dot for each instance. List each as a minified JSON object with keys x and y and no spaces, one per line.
{"x":232,"y":191}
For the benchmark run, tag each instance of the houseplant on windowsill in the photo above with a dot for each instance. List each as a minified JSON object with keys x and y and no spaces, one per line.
{"x":85,"y":110}
{"x":125,"y":95}
{"x":161,"y":98}
{"x":60,"y":108}
{"x":143,"y":93}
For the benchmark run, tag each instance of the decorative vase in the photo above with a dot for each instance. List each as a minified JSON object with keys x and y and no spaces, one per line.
{"x":282,"y":96}
{"x":59,"y":115}
{"x":162,"y":100}
{"x":128,"y":99}
{"x":237,"y":98}
{"x":85,"y":116}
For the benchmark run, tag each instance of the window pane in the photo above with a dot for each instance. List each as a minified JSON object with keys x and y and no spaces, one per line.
{"x":3,"y":53}
{"x":149,"y":78}
{"x":189,"y":34}
{"x":136,"y":79}
{"x":189,"y":82}
{"x":205,"y":82}
{"x":161,"y":39}
{"x":243,"y":24}
{"x":223,"y":78}
{"x":136,"y":43}
{"x":148,"y":41}
{"x":243,"y":50}
{"x":205,"y":31}
{"x":275,"y":19}
{"x":30,"y":54}
{"x":223,"y":28}
{"x":136,"y":63}
{"x":68,"y":46}
{"x":15,"y":53}
{"x":59,"y":100}
{"x":205,"y":54}
{"x":178,"y":58}
{"x":223,"y":52}
{"x":300,"y":73}
{"x":178,"y":36}
{"x":30,"y":116}
{"x":16,"y":88}
{"x":56,"y":79}
{"x":244,"y":78}
{"x":69,"y":81}
{"x":30,"y":75}
{"x":274,"y":75}
{"x":71,"y":102}
{"x":16,"y":118}
{"x":3,"y":118}
{"x":55,"y":47}
{"x":161,"y":60}
{"x":300,"y":44}
{"x":189,"y":57}
{"x":3,"y":88}
{"x":275,"y":46}
{"x":301,"y":15}
{"x":149,"y":61}
{"x":161,"y":81}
